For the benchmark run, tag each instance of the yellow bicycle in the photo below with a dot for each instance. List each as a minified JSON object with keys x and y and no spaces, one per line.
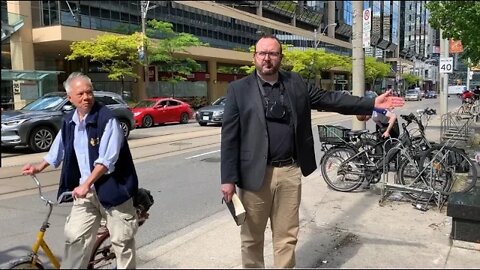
{"x":32,"y":261}
{"x":102,"y":255}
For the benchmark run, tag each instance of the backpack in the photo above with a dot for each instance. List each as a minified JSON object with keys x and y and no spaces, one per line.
{"x":143,"y":200}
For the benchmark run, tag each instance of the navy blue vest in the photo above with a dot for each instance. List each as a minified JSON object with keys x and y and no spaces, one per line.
{"x":112,"y":189}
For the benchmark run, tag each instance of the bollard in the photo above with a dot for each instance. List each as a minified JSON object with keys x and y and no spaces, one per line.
{"x":464,"y":208}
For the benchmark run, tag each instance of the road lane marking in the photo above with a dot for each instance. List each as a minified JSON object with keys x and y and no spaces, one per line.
{"x":207,"y":153}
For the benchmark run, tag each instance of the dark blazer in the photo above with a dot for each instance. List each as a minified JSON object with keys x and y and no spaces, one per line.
{"x":244,"y":143}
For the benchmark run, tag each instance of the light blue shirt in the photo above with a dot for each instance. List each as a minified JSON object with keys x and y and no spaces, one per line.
{"x":108,"y":151}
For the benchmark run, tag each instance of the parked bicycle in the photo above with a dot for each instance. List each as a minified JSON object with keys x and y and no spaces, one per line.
{"x":102,"y":256}
{"x":345,"y":166}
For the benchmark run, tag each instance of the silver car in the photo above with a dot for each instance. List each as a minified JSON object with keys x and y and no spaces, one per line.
{"x":37,"y":124}
{"x":413,"y":94}
{"x":211,"y":114}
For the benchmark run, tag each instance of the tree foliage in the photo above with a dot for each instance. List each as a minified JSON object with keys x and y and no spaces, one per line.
{"x":410,"y":79}
{"x":164,"y":50}
{"x":459,"y":20}
{"x":312,"y":62}
{"x":117,"y":54}
{"x":375,"y":70}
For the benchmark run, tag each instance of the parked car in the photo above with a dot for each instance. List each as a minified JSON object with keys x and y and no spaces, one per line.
{"x":161,"y":110}
{"x":413,"y":94}
{"x":422,"y":93}
{"x":370,"y":94}
{"x":211,"y":114}
{"x":37,"y":124}
{"x":431,"y":94}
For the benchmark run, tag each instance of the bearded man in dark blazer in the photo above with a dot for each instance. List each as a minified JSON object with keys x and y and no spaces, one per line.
{"x":267,"y":144}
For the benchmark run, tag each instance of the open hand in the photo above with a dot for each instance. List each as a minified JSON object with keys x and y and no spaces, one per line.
{"x":387,"y":101}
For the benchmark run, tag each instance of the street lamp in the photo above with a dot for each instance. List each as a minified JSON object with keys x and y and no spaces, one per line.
{"x":323,"y":34}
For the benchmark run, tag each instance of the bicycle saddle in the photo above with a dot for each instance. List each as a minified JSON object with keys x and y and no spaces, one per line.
{"x":357,"y":132}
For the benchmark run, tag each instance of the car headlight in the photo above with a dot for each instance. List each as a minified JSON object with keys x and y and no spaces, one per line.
{"x":217,"y":113}
{"x":13,"y":123}
{"x":136,"y":113}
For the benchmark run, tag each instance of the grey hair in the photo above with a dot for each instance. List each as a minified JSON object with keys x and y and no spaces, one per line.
{"x":75,"y":75}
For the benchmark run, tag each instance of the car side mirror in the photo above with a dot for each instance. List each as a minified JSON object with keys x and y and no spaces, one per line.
{"x":67,"y":108}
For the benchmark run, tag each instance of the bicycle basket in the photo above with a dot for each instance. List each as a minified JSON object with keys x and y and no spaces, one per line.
{"x":333,"y":134}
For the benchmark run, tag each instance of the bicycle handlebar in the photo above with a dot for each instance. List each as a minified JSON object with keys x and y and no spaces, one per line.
{"x":47,"y":201}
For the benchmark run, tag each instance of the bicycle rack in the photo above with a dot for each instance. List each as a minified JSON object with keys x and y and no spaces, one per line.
{"x":389,"y":187}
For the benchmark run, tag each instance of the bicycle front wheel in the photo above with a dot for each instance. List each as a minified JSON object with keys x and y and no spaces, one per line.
{"x":338,"y":174}
{"x":24,"y":263}
{"x":441,"y":162}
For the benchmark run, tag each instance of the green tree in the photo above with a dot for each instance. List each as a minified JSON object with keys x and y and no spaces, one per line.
{"x":375,"y":70}
{"x":165,"y":51}
{"x":313,"y":62}
{"x":459,"y":20}
{"x":410,"y":79}
{"x":117,"y":54}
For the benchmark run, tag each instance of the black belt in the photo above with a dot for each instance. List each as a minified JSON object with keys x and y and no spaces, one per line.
{"x":281,"y":163}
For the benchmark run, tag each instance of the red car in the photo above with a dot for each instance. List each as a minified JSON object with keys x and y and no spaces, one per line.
{"x":151,"y":111}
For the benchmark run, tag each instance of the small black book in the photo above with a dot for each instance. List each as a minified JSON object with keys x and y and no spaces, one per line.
{"x":236,"y":208}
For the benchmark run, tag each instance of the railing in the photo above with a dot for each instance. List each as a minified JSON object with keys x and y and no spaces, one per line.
{"x":11,"y":23}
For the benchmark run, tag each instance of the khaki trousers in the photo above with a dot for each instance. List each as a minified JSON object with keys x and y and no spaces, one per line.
{"x":279,"y":200}
{"x":81,"y":229}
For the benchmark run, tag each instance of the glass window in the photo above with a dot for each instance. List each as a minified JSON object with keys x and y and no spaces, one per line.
{"x":105,"y":13}
{"x":115,"y":15}
{"x":94,"y":11}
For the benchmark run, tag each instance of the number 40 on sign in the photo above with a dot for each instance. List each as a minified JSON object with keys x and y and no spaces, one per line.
{"x":446,"y":65}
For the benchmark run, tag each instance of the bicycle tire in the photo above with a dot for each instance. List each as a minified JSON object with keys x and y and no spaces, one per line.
{"x":343,"y":182}
{"x":23,"y":263}
{"x":407,"y":176}
{"x":462,"y":170}
{"x":103,"y":256}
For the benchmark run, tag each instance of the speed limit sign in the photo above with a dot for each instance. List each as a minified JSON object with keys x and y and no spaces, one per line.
{"x":446,"y":65}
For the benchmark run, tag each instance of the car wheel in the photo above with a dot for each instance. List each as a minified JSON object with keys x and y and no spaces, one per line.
{"x":41,"y":139}
{"x":202,"y":123}
{"x":184,"y":118}
{"x":147,"y":121}
{"x":125,"y":127}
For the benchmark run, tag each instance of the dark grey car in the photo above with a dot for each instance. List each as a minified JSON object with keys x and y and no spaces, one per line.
{"x":37,"y":124}
{"x":212,"y":113}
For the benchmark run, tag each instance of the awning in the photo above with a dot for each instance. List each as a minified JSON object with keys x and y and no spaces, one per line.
{"x":26,"y":75}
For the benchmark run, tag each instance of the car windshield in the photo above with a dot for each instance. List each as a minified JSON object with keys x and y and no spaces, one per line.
{"x":412,"y":92}
{"x":220,"y":101}
{"x":44,"y":103}
{"x":145,"y":103}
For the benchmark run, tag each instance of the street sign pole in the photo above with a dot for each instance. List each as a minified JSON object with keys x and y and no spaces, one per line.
{"x":443,"y":95}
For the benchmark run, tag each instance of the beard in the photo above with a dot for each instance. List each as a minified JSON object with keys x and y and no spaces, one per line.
{"x":267,"y":68}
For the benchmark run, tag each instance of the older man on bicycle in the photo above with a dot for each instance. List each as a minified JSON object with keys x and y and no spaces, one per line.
{"x":98,"y":168}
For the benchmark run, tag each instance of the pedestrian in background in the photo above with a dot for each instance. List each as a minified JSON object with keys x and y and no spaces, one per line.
{"x":98,"y":168}
{"x":267,"y":144}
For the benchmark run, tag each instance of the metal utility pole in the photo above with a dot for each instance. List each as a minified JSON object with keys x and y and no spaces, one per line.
{"x":144,"y":9}
{"x":468,"y":74}
{"x":443,"y":76}
{"x":358,"y":58}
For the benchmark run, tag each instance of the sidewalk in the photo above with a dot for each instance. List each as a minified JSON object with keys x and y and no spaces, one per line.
{"x":338,"y":230}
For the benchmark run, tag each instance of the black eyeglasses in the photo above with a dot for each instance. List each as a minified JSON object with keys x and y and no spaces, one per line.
{"x":271,"y":54}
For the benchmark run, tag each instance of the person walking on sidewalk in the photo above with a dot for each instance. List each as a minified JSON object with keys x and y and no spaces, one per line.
{"x":267,"y":144}
{"x":98,"y":168}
